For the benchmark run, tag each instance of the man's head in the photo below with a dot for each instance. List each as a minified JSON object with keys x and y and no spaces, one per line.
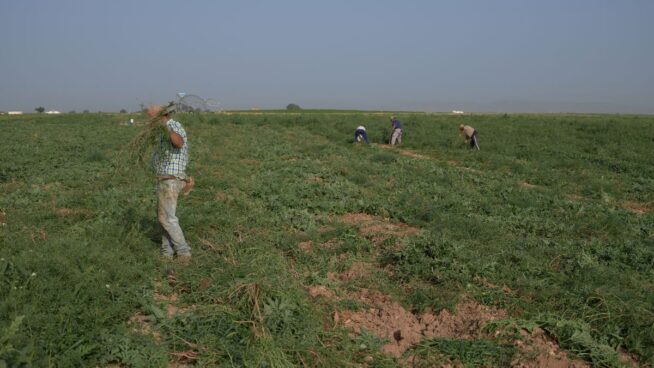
{"x":393,"y":118}
{"x":460,"y":126}
{"x":154,"y":111}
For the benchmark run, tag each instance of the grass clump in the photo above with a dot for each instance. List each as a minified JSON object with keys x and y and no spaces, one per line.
{"x":469,"y":353}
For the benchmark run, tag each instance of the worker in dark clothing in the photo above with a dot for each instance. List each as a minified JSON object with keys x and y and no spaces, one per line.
{"x":360,"y":134}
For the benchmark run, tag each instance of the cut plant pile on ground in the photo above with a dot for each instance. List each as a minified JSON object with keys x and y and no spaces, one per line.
{"x":377,"y":229}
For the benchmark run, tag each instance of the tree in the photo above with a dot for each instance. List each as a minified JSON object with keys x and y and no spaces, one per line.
{"x":293,"y":107}
{"x":40,"y":109}
{"x":123,"y":111}
{"x":86,"y":111}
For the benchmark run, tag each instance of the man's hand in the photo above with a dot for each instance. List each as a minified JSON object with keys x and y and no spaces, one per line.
{"x":190,"y":182}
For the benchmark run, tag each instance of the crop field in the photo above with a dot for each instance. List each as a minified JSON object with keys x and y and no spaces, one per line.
{"x":309,"y":250}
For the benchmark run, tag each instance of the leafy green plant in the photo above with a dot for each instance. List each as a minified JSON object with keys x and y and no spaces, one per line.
{"x":11,"y":356}
{"x":469,"y":353}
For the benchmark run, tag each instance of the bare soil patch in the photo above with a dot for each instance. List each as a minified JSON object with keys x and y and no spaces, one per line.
{"x":71,"y":212}
{"x":357,"y":270}
{"x":527,"y":185}
{"x":639,"y":208}
{"x":387,"y":319}
{"x":413,"y":154}
{"x":143,"y":325}
{"x":404,"y":152}
{"x":469,"y":169}
{"x":247,"y":161}
{"x":537,"y":350}
{"x":331,"y":244}
{"x":306,"y":246}
{"x":315,"y":179}
{"x":317,"y":291}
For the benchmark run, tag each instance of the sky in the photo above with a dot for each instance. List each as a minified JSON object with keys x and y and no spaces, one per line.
{"x":470,"y":55}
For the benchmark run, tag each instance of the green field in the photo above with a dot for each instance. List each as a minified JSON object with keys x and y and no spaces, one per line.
{"x":297,"y":233}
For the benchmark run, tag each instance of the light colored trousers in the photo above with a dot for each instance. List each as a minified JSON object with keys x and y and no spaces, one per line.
{"x":173,"y":240}
{"x":396,"y":137}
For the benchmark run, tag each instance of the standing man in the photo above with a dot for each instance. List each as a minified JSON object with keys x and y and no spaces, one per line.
{"x":360,"y":134}
{"x":396,"y":127}
{"x":470,"y":135}
{"x":170,"y":167}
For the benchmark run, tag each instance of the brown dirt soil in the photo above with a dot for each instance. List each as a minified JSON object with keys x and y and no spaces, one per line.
{"x":537,"y":350}
{"x":404,"y":152}
{"x":142,"y":324}
{"x":469,"y":169}
{"x":457,"y":164}
{"x":628,"y":359}
{"x":384,"y":318}
{"x":467,"y":322}
{"x":67,"y":212}
{"x":413,"y":154}
{"x":387,"y":319}
{"x":315,"y":179}
{"x":220,"y":196}
{"x":321,"y":291}
{"x":575,"y":197}
{"x":38,"y":233}
{"x":524,"y":184}
{"x":376,"y":228}
{"x":357,"y":271}
{"x":331,"y":244}
{"x":485,"y":283}
{"x":639,"y":208}
{"x":306,"y":246}
{"x":246,"y":161}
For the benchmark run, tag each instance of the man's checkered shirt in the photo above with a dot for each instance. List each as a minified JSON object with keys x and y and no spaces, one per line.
{"x":168,"y":160}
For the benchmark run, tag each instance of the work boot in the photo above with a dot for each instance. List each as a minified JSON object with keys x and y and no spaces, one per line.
{"x":184,"y":258}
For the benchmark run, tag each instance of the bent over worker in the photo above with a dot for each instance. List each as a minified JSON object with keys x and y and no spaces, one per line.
{"x":360,"y":134}
{"x":470,"y":135}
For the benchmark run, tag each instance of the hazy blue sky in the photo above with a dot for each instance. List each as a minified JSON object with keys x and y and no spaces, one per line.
{"x":474,"y":55}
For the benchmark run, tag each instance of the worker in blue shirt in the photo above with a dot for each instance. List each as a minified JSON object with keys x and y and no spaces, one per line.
{"x":396,"y":135}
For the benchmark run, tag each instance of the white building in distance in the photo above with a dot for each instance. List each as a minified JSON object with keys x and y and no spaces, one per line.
{"x":14,"y":113}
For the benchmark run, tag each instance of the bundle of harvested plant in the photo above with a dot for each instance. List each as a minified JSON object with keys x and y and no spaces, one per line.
{"x":140,"y":149}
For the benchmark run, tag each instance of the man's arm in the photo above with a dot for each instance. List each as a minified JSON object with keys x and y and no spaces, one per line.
{"x":176,"y":139}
